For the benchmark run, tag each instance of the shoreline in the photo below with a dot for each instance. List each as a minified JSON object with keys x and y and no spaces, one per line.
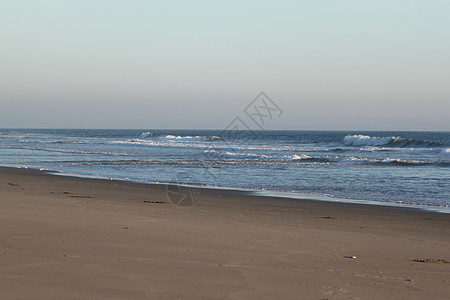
{"x":69,"y":238}
{"x":255,"y":192}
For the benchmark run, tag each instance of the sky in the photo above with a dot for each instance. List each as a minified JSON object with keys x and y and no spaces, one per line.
{"x":329,"y":64}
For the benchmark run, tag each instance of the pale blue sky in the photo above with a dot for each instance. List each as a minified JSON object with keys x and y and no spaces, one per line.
{"x":342,"y":64}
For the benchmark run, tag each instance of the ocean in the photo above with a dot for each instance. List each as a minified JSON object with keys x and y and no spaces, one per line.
{"x":393,"y":168}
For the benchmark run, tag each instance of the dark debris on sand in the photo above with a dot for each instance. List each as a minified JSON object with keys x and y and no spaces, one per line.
{"x":432,"y":260}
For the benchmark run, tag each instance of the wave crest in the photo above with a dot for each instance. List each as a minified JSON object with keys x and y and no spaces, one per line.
{"x":365,"y":140}
{"x":177,"y":137}
{"x":146,"y":134}
{"x":300,"y":157}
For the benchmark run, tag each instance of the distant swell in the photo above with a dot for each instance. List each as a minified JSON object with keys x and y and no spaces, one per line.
{"x":365,"y":140}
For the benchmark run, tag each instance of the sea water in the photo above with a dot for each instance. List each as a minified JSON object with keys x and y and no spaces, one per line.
{"x":408,"y":168}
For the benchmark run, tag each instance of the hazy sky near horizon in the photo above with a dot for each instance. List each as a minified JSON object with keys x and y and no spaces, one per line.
{"x":347,"y":64}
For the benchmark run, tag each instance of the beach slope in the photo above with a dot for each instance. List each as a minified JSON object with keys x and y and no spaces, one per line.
{"x":75,"y":238}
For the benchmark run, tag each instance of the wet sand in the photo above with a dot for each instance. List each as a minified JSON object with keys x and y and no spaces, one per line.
{"x":75,"y":238}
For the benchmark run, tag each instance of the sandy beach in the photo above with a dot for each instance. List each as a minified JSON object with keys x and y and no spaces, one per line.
{"x":76,"y":238}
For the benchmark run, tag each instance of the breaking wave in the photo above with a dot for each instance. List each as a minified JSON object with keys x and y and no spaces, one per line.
{"x":177,"y":137}
{"x":357,"y":160}
{"x":365,"y":140}
{"x":146,"y":134}
{"x":301,"y":157}
{"x":400,"y":162}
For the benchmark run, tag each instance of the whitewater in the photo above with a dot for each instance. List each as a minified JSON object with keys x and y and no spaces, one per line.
{"x":396,"y":168}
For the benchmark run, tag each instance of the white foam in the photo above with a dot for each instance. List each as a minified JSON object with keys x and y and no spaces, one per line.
{"x":185,"y":138}
{"x":176,"y":137}
{"x":397,"y":141}
{"x":245,"y":154}
{"x":164,"y":142}
{"x":300,"y":157}
{"x":146,"y":134}
{"x":446,"y":151}
{"x":402,"y":161}
{"x":365,"y":140}
{"x":211,"y":138}
{"x":347,"y":159}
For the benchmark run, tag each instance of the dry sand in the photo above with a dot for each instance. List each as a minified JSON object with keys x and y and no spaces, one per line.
{"x":74,"y":238}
